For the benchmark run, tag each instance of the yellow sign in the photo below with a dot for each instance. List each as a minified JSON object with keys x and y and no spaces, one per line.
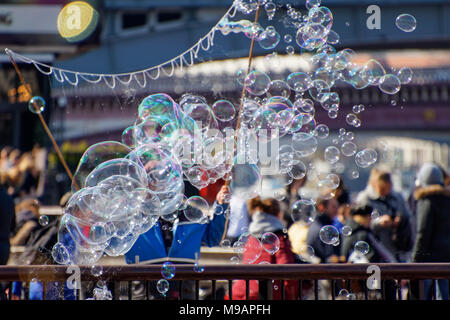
{"x":76,"y":21}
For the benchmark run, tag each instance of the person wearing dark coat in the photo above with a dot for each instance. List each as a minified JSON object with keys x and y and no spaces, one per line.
{"x":432,"y":242}
{"x":6,"y":223}
{"x":327,"y":212}
{"x":359,"y":222}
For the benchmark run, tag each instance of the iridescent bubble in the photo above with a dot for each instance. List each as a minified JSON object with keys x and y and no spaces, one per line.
{"x":362,"y":247}
{"x":198,"y":268}
{"x":250,"y":248}
{"x":168,"y":270}
{"x":241,"y":75}
{"x":162,"y":286}
{"x":128,"y":137}
{"x":389,"y":84}
{"x":346,"y":231}
{"x":197,"y":209}
{"x":43,"y":220}
{"x":332,"y":114}
{"x":270,"y":8}
{"x":406,"y":22}
{"x":279,"y":88}
{"x":351,"y":119}
{"x":225,"y":243}
{"x":299,"y":81}
{"x":224,"y":110}
{"x":354,"y":174}
{"x":366,"y":157}
{"x":290,"y":50}
{"x":97,"y":270}
{"x":405,"y":75}
{"x":257,"y":83}
{"x":270,"y":242}
{"x":329,"y":234}
{"x":298,"y":170}
{"x":322,"y":131}
{"x":303,"y":211}
{"x":348,"y":148}
{"x":60,"y":253}
{"x":304,"y":144}
{"x":332,"y":154}
{"x":287,"y":38}
{"x":269,"y":39}
{"x":36,"y":104}
{"x":312,"y":3}
{"x":94,"y":156}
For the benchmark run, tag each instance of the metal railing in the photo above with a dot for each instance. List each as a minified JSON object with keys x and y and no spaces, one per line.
{"x":399,"y":281}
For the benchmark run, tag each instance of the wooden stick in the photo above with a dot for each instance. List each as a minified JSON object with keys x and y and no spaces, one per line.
{"x":41,"y":118}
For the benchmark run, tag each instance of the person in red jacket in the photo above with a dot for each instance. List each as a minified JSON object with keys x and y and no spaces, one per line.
{"x":265,"y":218}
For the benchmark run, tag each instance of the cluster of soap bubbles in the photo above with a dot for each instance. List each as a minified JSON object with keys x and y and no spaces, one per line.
{"x":122,"y":189}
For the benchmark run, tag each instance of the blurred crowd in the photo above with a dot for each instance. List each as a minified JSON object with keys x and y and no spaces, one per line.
{"x":380,"y":226}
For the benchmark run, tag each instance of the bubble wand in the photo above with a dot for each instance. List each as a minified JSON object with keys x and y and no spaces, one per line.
{"x":41,"y":118}
{"x":238,"y":124}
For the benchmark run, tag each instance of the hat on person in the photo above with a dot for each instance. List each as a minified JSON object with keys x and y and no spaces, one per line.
{"x":429,"y":174}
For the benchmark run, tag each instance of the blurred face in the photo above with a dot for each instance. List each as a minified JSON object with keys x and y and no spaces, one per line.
{"x":331,"y":209}
{"x":383,"y":188}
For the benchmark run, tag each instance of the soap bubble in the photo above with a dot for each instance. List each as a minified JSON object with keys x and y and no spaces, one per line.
{"x":362,"y":247}
{"x":162,"y":286}
{"x":197,"y":209}
{"x":322,"y":131}
{"x":249,"y":248}
{"x":270,"y":242}
{"x":332,"y":154}
{"x":279,"y":88}
{"x":389,"y":84}
{"x":298,"y":170}
{"x":406,"y":22}
{"x":304,"y":144}
{"x":257,"y":83}
{"x":36,"y":105}
{"x":60,"y":254}
{"x":299,"y":81}
{"x":269,"y":39}
{"x":94,"y":156}
{"x":347,"y":230}
{"x":366,"y":157}
{"x":304,"y":211}
{"x":348,"y":148}
{"x":168,"y":270}
{"x":329,"y":234}
{"x":96,"y":270}
{"x":405,"y":75}
{"x":224,"y":110}
{"x":290,"y":50}
{"x":43,"y":220}
{"x":225,"y":243}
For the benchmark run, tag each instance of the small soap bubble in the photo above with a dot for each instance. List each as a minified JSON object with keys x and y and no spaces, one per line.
{"x":406,"y":22}
{"x":346,"y":230}
{"x":43,"y":220}
{"x":162,"y":286}
{"x":168,"y":270}
{"x":36,"y":104}
{"x":97,"y":270}
{"x":362,"y":247}
{"x":329,"y":234}
{"x":270,"y":242}
{"x":290,"y":50}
